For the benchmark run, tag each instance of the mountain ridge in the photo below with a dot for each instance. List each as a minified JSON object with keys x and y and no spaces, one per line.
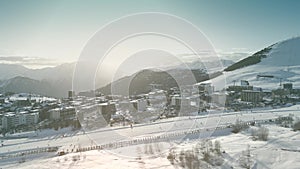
{"x":139,"y":83}
{"x":280,"y":61}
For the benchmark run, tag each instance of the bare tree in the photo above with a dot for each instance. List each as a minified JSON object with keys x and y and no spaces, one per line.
{"x":245,"y":158}
{"x":238,"y":126}
{"x":218,"y":147}
{"x":262,"y":133}
{"x":296,"y":126}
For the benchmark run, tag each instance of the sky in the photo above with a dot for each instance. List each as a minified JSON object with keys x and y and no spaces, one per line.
{"x":56,"y":31}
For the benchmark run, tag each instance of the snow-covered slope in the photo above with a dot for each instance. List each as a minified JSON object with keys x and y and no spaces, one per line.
{"x":285,"y":53}
{"x":281,"y":150}
{"x":281,"y":60}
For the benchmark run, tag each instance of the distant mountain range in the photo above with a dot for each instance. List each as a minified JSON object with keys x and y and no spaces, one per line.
{"x":8,"y":71}
{"x":183,"y":74}
{"x":140,"y":82}
{"x":21,"y":84}
{"x":281,"y":60}
{"x":55,"y":81}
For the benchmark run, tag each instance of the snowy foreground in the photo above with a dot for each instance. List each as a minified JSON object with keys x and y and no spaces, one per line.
{"x":280,"y":151}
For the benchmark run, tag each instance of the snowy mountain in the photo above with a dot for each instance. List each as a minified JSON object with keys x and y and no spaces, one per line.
{"x":8,"y":71}
{"x":139,"y":83}
{"x":54,"y":81}
{"x":278,"y":63}
{"x":268,"y":68}
{"x":20,"y":84}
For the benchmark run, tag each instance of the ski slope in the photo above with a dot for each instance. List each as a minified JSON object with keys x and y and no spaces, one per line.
{"x":282,"y":62}
{"x":70,"y":140}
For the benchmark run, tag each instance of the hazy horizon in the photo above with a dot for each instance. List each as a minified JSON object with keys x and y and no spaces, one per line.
{"x":39,"y":34}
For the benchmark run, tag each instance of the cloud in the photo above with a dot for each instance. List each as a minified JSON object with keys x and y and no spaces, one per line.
{"x":29,"y":61}
{"x":11,"y":58}
{"x":204,"y":56}
{"x":234,"y":56}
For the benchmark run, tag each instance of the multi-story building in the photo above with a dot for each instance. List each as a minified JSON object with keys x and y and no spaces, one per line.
{"x":10,"y":120}
{"x":71,"y":94}
{"x":239,"y":88}
{"x":32,"y":118}
{"x":67,"y":113}
{"x":54,"y":114}
{"x":207,"y":88}
{"x":2,"y":100}
{"x":219,"y":98}
{"x":64,"y":113}
{"x":251,"y":96}
{"x":1,"y":116}
{"x":139,"y":105}
{"x":288,"y":86}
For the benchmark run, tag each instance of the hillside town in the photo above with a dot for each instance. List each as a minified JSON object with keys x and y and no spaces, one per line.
{"x":30,"y":112}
